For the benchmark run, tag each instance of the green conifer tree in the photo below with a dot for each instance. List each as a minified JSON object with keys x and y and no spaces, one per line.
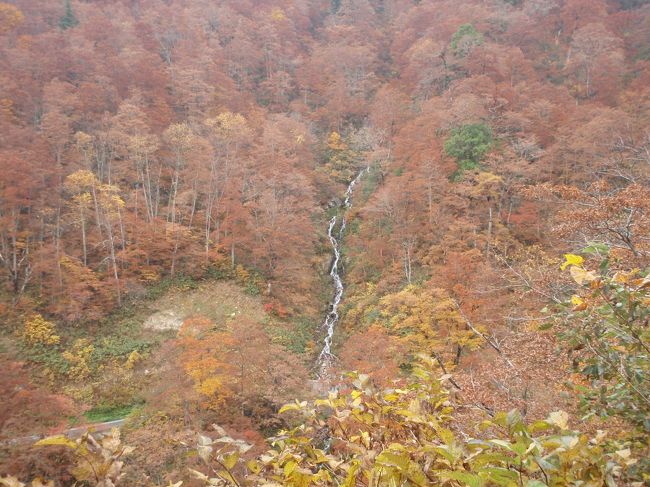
{"x":68,"y":19}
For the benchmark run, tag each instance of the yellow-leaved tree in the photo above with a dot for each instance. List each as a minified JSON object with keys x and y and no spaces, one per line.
{"x":427,"y":320}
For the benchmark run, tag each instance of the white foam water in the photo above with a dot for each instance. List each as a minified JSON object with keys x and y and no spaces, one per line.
{"x":326,"y":358}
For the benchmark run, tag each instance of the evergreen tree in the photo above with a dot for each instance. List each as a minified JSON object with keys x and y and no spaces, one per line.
{"x":68,"y":20}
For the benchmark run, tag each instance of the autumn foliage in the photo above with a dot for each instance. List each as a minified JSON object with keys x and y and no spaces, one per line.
{"x":149,"y":146}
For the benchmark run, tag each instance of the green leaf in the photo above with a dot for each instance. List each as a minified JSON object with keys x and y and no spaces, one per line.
{"x":595,"y":248}
{"x":390,"y":459}
{"x":503,"y":444}
{"x":501,"y":476}
{"x":470,"y":479}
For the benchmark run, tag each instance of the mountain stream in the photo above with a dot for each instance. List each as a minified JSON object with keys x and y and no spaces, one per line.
{"x":326,"y":358}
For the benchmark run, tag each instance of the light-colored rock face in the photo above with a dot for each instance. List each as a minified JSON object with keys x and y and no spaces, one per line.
{"x":164,"y":320}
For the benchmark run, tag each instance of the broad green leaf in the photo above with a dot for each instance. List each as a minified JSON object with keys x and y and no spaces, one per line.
{"x":390,"y":459}
{"x":595,"y":248}
{"x":501,"y":476}
{"x":503,"y":444}
{"x":470,"y":479}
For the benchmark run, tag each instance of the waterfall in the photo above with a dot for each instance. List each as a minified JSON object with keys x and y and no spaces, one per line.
{"x":326,"y":358}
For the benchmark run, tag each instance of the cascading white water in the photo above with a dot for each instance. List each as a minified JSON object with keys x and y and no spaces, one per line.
{"x":326,"y":357}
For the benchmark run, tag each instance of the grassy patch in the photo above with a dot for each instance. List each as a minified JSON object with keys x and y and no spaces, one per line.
{"x":370,"y":183}
{"x":73,"y":421}
{"x":103,"y":414}
{"x":180,"y":282}
{"x":297,"y":336}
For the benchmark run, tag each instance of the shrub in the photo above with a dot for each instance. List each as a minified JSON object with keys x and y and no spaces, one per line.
{"x":465,"y":39}
{"x":468,"y":144}
{"x":39,"y":331}
{"x":605,"y":326}
{"x":403,"y":436}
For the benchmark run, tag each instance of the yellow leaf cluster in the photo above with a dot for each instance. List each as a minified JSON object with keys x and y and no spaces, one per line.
{"x":11,"y":481}
{"x":241,"y":274}
{"x":134,"y":358}
{"x":228,"y":125}
{"x":149,"y":274}
{"x":78,"y":359}
{"x":335,"y":142}
{"x":425,"y":319}
{"x":7,"y":110}
{"x":571,"y":260}
{"x":278,"y":15}
{"x":10,"y":17}
{"x":203,"y":359}
{"x":38,"y":331}
{"x":83,"y":141}
{"x":180,"y":135}
{"x":80,"y":181}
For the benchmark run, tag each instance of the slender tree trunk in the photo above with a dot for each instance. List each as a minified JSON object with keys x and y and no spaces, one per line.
{"x":96,"y":204}
{"x":116,"y":276}
{"x":83,"y":235}
{"x":489,"y":233}
{"x":57,"y":247}
{"x":113,"y":258}
{"x":122,"y":231}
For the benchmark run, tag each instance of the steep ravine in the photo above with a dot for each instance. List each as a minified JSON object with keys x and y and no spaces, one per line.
{"x":326,"y":358}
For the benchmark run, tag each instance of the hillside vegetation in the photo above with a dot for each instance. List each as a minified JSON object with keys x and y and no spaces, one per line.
{"x":173,"y":180}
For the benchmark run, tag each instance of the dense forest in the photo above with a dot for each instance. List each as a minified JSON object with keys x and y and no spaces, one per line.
{"x":180,"y":259}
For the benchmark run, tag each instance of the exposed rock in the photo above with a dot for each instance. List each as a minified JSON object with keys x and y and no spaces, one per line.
{"x":164,"y":320}
{"x":334,"y":203}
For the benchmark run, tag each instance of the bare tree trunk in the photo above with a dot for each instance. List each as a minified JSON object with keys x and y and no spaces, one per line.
{"x":111,"y":240}
{"x":83,"y":235}
{"x":489,"y":234}
{"x":57,"y":247}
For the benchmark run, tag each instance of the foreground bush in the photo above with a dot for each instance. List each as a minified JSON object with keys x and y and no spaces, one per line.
{"x":400,"y":437}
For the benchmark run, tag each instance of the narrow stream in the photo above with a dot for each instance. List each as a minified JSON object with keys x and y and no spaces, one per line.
{"x":326,"y":358}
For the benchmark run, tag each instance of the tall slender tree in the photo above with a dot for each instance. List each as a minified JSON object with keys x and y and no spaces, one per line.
{"x":68,"y":20}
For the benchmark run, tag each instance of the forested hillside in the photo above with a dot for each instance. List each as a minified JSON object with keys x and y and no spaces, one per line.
{"x":173,"y":180}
